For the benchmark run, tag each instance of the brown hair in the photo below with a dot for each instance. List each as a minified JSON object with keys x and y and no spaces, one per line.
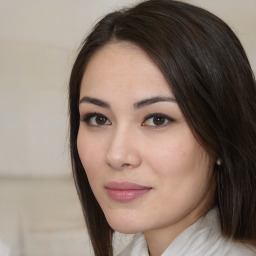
{"x":212,"y":81}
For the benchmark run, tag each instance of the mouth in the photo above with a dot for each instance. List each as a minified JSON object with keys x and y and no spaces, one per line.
{"x":125,"y":191}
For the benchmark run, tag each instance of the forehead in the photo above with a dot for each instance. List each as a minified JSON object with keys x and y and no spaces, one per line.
{"x":123,"y":66}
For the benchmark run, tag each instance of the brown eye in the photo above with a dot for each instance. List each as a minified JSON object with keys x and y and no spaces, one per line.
{"x":96,"y":119}
{"x":101,"y":120}
{"x":157,"y":120}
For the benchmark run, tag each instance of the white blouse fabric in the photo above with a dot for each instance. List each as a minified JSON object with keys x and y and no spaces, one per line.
{"x":203,"y":238}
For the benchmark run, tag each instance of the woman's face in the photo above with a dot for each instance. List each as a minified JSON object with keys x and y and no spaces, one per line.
{"x":145,"y":167}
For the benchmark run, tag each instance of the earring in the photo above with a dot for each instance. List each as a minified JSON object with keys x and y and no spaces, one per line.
{"x":219,"y":161}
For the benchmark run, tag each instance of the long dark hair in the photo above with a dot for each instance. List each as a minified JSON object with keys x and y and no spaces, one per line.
{"x":212,"y":81}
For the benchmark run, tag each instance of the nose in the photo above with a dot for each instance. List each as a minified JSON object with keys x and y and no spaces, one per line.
{"x":122,"y":152}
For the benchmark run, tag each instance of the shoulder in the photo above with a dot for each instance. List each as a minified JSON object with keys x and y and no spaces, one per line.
{"x":202,"y":238}
{"x":220,"y":245}
{"x":215,"y":243}
{"x":205,"y":237}
{"x":231,"y":248}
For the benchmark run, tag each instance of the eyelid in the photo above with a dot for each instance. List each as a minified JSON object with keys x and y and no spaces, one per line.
{"x":87,"y":117}
{"x":168,"y":118}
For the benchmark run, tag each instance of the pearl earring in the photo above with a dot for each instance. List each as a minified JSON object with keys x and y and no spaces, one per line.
{"x":219,"y":162}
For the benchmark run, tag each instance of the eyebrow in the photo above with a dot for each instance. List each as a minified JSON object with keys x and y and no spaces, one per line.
{"x":137,"y":105}
{"x":95,"y":101}
{"x":153,"y":100}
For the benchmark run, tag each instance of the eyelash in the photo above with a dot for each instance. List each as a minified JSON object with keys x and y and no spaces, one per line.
{"x":88,"y":118}
{"x":166,"y":118}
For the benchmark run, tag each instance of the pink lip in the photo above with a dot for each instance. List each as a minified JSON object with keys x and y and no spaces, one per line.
{"x":125,"y":191}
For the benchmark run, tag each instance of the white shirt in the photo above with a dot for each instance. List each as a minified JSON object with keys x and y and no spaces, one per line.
{"x":203,"y":238}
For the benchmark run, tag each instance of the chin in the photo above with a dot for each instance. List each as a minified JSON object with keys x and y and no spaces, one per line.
{"x":125,"y":229}
{"x":124,"y":226}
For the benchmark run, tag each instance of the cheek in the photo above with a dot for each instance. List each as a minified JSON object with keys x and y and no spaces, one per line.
{"x":90,"y":151}
{"x":183,"y":177}
{"x":91,"y":154}
{"x":170,"y":149}
{"x":179,"y":161}
{"x":168,"y":156}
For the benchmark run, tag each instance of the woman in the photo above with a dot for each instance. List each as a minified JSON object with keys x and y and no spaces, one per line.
{"x":162,"y":133}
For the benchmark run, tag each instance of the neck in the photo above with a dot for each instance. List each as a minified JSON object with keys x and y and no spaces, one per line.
{"x":159,"y":240}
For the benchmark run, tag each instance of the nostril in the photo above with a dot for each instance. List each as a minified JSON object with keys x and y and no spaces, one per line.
{"x":126,"y":166}
{"x":123,"y":160}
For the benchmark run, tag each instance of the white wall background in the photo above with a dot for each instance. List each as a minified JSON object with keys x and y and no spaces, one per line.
{"x":38,"y":42}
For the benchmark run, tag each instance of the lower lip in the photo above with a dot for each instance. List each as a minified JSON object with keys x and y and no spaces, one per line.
{"x":126,"y":195}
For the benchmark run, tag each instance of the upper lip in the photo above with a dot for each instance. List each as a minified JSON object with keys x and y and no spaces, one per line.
{"x":125,"y":186}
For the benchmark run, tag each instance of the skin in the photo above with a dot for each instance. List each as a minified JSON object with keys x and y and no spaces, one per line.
{"x":125,"y":146}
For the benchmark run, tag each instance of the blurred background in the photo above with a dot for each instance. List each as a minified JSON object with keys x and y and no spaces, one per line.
{"x":39,"y":210}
